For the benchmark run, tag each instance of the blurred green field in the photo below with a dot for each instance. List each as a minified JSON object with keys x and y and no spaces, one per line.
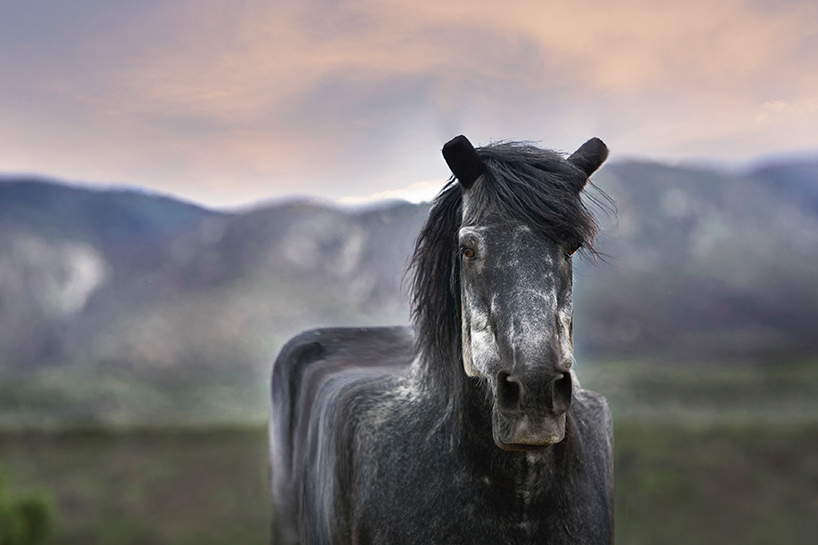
{"x":702,"y":456}
{"x":164,"y":486}
{"x":720,"y":484}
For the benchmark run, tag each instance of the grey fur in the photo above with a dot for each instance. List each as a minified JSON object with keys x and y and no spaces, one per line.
{"x":380,"y":435}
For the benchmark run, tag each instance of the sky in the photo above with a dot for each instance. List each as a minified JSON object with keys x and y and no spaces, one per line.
{"x":229,"y":103}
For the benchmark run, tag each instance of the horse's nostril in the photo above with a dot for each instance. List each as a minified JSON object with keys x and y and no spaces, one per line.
{"x":509,"y":392}
{"x":561,"y":393}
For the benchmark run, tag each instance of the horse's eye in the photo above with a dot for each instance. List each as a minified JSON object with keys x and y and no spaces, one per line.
{"x":468,"y":253}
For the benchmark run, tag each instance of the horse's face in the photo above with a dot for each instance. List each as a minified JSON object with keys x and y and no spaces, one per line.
{"x":517,"y":322}
{"x":516,"y":303}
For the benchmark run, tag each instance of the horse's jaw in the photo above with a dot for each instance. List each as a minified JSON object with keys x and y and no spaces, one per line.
{"x":527,"y":430}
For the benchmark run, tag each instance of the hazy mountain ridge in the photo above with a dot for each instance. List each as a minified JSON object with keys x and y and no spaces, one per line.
{"x":705,"y":264}
{"x":141,"y":301}
{"x":120,"y":276}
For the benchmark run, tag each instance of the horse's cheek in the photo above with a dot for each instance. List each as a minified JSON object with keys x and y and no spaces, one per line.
{"x":565,"y":330}
{"x":484,"y":352}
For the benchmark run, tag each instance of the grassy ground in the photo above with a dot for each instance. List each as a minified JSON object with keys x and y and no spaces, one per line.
{"x":175,"y":487}
{"x":717,"y":484}
{"x":738,"y":483}
{"x":647,"y":390}
{"x":702,"y":456}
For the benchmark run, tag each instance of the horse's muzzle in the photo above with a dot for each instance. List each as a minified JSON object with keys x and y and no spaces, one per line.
{"x":530,"y":418}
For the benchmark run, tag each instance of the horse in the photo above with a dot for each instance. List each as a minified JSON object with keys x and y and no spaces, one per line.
{"x":470,"y":426}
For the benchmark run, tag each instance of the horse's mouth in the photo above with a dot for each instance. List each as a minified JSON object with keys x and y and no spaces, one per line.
{"x":521,"y":446}
{"x":526,"y":431}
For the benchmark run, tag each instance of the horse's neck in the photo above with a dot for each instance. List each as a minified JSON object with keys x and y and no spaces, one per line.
{"x":467,"y":407}
{"x":517,"y":468}
{"x":474,"y":430}
{"x":475,"y":408}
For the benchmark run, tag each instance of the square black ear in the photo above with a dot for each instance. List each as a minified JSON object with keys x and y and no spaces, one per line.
{"x":463,"y":160}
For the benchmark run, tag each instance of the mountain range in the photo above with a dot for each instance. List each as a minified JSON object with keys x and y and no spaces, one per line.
{"x":123,"y":305}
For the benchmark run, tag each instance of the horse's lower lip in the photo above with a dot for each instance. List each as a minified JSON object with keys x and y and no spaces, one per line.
{"x":530,"y":432}
{"x":522,"y":446}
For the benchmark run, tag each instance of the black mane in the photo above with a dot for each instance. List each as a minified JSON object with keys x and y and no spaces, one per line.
{"x":535,"y":186}
{"x":379,"y":435}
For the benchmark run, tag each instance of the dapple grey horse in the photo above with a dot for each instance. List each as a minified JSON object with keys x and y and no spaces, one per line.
{"x":472,"y":427}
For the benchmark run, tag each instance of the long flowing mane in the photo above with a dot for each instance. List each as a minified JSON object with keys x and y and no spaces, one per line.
{"x":378,"y":434}
{"x":535,"y":186}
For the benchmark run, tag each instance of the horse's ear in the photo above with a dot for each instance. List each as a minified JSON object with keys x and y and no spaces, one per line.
{"x":463,"y":160}
{"x":590,"y":155}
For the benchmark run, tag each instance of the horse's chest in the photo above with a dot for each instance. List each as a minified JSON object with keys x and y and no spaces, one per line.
{"x":432,"y":498}
{"x":411,"y":481}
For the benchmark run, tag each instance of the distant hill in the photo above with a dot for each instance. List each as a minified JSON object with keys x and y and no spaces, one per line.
{"x":705,"y":265}
{"x":90,"y":274}
{"x":122,"y":305}
{"x":117,"y":305}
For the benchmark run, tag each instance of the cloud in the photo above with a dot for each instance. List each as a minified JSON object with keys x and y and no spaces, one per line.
{"x":226,"y":102}
{"x":416,"y":192}
{"x":778,"y":108}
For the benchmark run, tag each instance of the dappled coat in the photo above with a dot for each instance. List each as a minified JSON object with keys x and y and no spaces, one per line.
{"x":471,"y":427}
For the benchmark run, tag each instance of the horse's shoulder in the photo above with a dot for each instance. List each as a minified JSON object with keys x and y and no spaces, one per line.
{"x":592,"y":413}
{"x":593,"y":426}
{"x":593,"y":404}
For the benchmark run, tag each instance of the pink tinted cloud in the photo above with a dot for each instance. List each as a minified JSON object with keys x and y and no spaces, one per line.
{"x":228,"y":103}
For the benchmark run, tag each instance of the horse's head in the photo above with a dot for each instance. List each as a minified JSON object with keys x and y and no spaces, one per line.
{"x":522,"y":219}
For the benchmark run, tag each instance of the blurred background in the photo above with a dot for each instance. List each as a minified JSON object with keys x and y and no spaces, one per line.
{"x":183,"y":186}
